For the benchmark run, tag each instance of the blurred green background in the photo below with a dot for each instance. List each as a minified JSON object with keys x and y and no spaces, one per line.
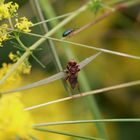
{"x":119,"y":32}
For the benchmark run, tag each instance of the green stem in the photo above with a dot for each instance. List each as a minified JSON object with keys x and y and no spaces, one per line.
{"x":89,"y":47}
{"x":67,"y":134}
{"x":51,"y":19}
{"x":38,"y":61}
{"x":88,"y":121}
{"x":25,"y":48}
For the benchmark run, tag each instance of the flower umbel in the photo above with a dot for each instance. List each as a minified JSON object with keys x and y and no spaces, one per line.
{"x":25,"y":67}
{"x":8,"y":10}
{"x":4,"y":35}
{"x":23,"y":24}
{"x":14,"y":121}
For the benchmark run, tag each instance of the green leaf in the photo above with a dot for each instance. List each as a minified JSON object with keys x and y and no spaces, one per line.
{"x":95,"y":6}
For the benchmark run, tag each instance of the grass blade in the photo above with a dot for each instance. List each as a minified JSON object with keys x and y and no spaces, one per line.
{"x":67,"y":134}
{"x":88,"y":121}
{"x":124,"y":85}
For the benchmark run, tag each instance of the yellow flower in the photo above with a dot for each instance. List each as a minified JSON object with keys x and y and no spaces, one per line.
{"x":14,"y":121}
{"x":23,"y":24}
{"x":25,"y":67}
{"x":9,"y":82}
{"x":11,"y":56}
{"x":4,"y":35}
{"x":8,"y":10}
{"x":14,"y":57}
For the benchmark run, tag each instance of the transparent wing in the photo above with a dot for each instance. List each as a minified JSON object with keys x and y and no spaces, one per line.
{"x":86,"y":61}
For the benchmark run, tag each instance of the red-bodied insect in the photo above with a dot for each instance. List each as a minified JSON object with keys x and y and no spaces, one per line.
{"x":72,"y":70}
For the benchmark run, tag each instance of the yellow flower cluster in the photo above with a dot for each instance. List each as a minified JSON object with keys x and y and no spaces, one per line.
{"x":23,"y":24}
{"x":3,"y":34}
{"x":8,"y":10}
{"x":9,"y":82}
{"x":14,"y":121}
{"x":25,"y":67}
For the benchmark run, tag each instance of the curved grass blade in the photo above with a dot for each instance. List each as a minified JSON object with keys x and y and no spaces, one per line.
{"x":67,"y":134}
{"x":53,"y":78}
{"x":89,"y":121}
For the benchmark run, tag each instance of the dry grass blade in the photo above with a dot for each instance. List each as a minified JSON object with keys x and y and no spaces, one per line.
{"x":124,"y":85}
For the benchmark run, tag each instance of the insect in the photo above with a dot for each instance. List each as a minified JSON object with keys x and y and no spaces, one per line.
{"x":72,"y":70}
{"x":68,"y":32}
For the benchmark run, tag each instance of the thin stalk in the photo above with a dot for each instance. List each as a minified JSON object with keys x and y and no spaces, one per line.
{"x":51,"y":19}
{"x":53,"y":51}
{"x":38,"y":61}
{"x":88,"y":121}
{"x":97,"y":91}
{"x":91,"y":47}
{"x":67,"y":134}
{"x":86,"y":46}
{"x":25,"y":48}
